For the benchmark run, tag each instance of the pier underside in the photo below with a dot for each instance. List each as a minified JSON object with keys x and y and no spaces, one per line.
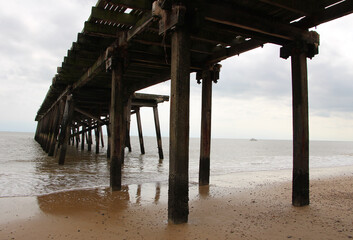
{"x":128,"y":45}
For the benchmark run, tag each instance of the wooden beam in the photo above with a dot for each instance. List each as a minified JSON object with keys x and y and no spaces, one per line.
{"x":97,"y":67}
{"x":134,"y":4}
{"x":140,"y":26}
{"x":327,"y":14}
{"x":225,"y":53}
{"x":95,"y":29}
{"x":233,"y":17}
{"x":178,"y":193}
{"x":301,"y":7}
{"x":87,"y":114}
{"x":113,"y":16}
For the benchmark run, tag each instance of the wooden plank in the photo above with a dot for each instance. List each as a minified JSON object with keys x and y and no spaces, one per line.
{"x":178,"y":193}
{"x":302,"y":7}
{"x":143,"y":5}
{"x":113,"y":16}
{"x":233,"y":17}
{"x":326,"y":15}
{"x":97,"y":67}
{"x":300,"y":191}
{"x":102,"y":30}
{"x":225,"y":53}
{"x":205,"y":146}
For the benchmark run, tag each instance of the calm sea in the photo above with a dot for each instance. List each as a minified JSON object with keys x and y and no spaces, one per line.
{"x":26,"y":170}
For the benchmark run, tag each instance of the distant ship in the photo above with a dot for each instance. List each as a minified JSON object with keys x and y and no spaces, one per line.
{"x":253,"y":139}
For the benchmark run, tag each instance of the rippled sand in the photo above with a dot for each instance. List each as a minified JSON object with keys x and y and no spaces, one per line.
{"x":233,"y":207}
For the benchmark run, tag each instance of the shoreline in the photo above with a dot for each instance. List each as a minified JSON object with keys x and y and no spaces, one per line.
{"x":235,"y":206}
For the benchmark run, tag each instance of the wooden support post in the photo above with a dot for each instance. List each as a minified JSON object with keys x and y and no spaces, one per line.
{"x":83,"y":137}
{"x":118,"y":125}
{"x":205,"y":145}
{"x":96,"y":131}
{"x":299,"y":52}
{"x":109,"y":140}
{"x":72,"y":136}
{"x":128,"y":120}
{"x":300,"y":191}
{"x":178,"y":193}
{"x":49,"y":130}
{"x":101,"y":135}
{"x":37,"y":131}
{"x":58,"y":113}
{"x":77,"y":136}
{"x":65,"y":128}
{"x":158,"y":132}
{"x":139,"y":127}
{"x":89,"y":140}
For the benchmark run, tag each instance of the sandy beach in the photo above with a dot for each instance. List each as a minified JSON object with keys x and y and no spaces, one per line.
{"x":236,"y":206}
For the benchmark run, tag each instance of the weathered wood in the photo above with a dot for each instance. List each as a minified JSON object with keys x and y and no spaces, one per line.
{"x":178,"y":194}
{"x":89,"y":140}
{"x":101,"y":135}
{"x":65,"y":128}
{"x":89,"y":115}
{"x":113,"y":16}
{"x":224,"y":14}
{"x":301,"y":7}
{"x":109,"y":140}
{"x":158,"y":132}
{"x":83,"y":137}
{"x":58,"y":114}
{"x":205,"y":145}
{"x":128,"y":120}
{"x":96,"y":131}
{"x":300,"y":191}
{"x":77,"y":136}
{"x":139,"y":128}
{"x":326,"y":14}
{"x":118,"y":124}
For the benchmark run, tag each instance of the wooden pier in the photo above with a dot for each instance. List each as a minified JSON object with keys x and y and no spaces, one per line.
{"x":128,"y":45}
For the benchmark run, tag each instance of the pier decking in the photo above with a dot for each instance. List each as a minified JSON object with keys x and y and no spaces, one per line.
{"x":128,"y":45}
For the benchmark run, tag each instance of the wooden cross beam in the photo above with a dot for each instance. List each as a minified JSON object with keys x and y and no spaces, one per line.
{"x":240,"y":19}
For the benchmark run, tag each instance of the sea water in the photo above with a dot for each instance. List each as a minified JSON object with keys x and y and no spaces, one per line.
{"x":26,"y":170}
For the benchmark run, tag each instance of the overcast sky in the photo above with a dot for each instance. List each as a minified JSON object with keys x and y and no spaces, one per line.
{"x":251,"y":100}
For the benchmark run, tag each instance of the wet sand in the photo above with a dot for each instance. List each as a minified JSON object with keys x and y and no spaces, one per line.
{"x":236,"y":206}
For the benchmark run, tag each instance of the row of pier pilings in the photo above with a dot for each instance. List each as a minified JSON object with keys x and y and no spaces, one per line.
{"x":66,"y":125}
{"x":53,"y":130}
